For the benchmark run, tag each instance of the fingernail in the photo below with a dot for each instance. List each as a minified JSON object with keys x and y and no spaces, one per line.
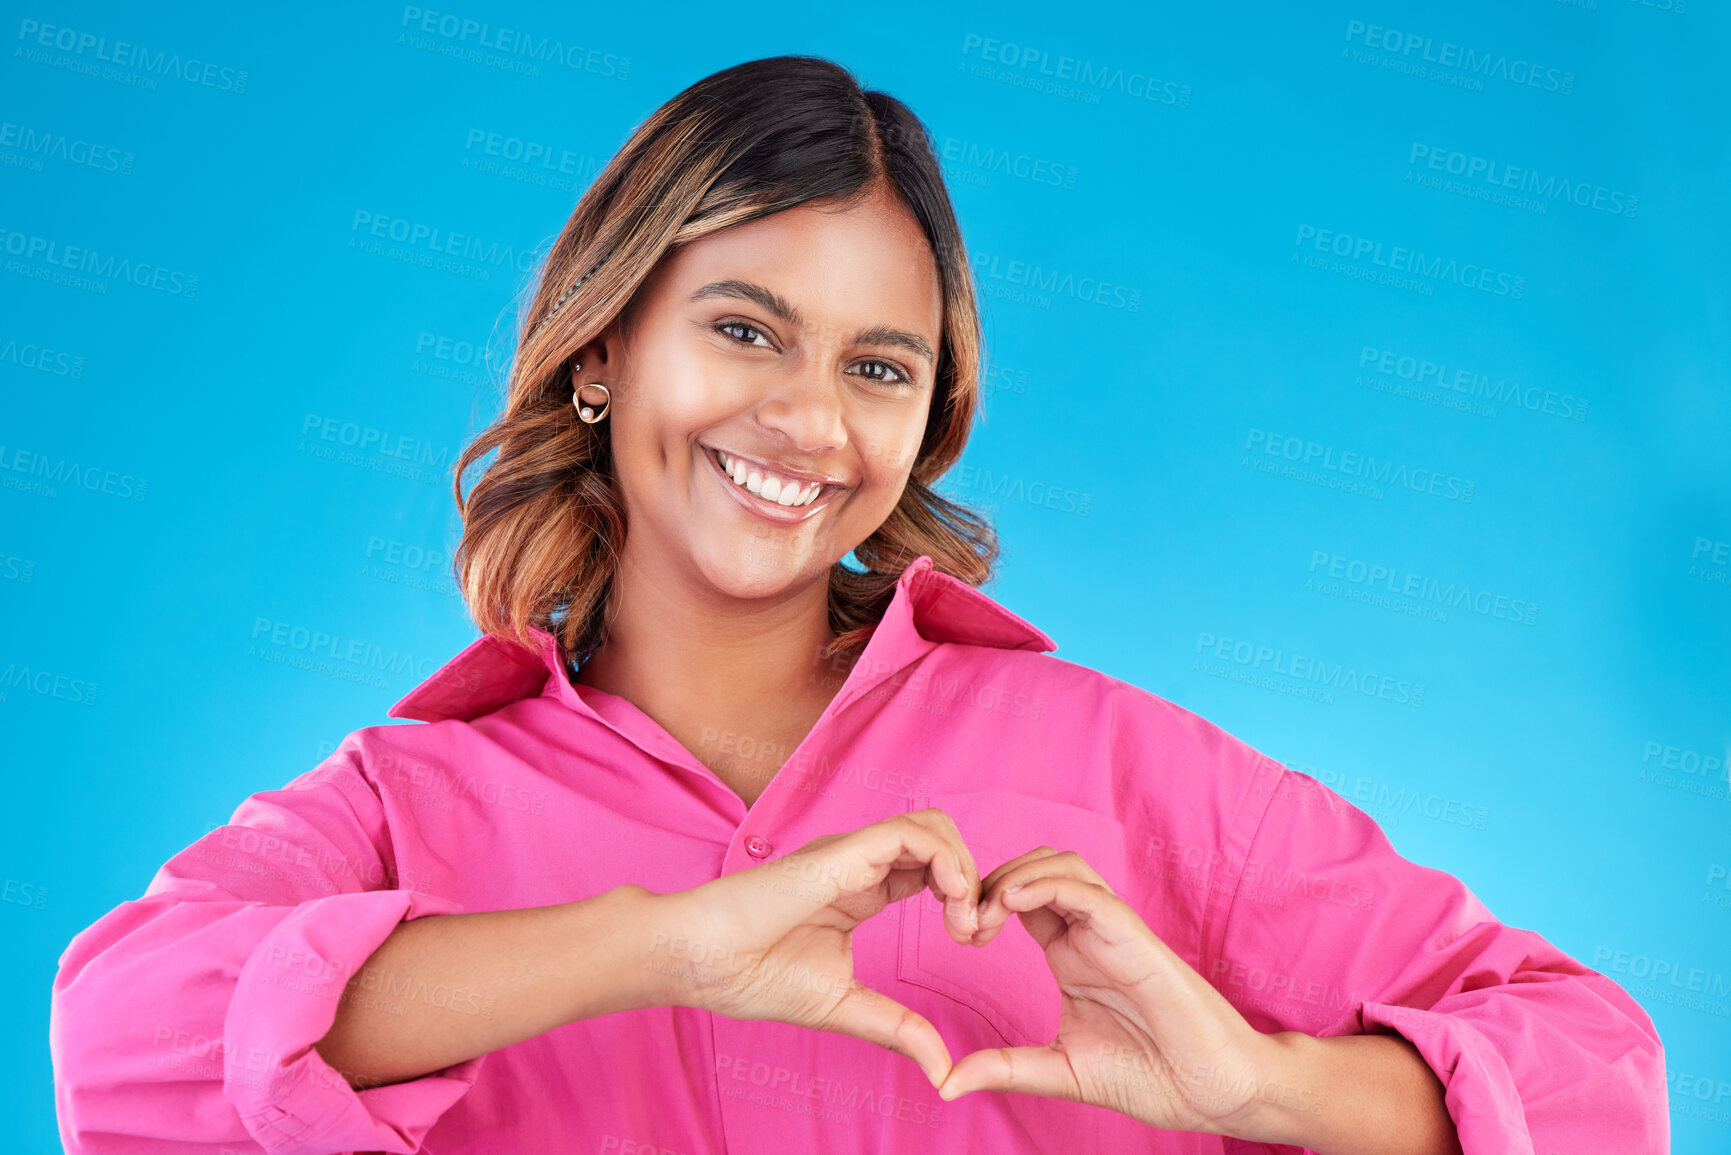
{"x":1013,"y":889}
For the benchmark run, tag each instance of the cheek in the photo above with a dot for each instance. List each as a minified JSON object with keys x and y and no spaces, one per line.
{"x":888,"y":458}
{"x":646,"y":476}
{"x":655,"y":430}
{"x":888,"y":436}
{"x":885,"y":477}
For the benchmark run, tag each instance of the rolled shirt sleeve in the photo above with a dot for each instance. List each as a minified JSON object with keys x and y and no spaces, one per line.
{"x":1330,"y":931}
{"x":187,"y":1019}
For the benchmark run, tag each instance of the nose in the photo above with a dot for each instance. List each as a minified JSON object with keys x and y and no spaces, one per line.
{"x":804,"y":407}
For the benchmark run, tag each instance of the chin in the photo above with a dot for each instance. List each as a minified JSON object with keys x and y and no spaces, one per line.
{"x":755,"y":567}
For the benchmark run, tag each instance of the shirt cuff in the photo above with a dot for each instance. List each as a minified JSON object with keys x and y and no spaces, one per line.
{"x":289,"y":1099}
{"x":1479,"y":1090}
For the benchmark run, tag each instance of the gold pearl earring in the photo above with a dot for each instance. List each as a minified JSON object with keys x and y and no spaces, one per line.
{"x":587,"y":412}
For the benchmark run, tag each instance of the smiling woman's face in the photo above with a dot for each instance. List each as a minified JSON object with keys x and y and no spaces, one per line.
{"x":796,"y":352}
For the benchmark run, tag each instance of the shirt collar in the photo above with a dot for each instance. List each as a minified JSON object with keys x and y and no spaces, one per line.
{"x":929,"y":607}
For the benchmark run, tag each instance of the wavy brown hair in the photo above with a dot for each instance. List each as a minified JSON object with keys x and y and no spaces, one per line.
{"x":542,"y":526}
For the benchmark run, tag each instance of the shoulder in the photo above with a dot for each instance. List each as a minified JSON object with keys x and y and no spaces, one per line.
{"x":371,"y":759}
{"x":1135,"y":742}
{"x":1083,"y":692}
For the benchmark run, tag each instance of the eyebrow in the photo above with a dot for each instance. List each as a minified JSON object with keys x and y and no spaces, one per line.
{"x":780,"y":308}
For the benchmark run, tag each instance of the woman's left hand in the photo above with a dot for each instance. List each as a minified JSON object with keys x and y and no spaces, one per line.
{"x":1140,"y":1031}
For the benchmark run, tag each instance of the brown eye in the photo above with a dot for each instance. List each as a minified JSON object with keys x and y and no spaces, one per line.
{"x":725,"y":326}
{"x":899,"y":378}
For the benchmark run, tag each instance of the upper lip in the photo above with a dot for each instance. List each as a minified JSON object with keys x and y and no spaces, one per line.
{"x":781,"y":470}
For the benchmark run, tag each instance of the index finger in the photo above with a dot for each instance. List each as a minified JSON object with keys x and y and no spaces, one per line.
{"x":961,"y":912}
{"x":928,"y":841}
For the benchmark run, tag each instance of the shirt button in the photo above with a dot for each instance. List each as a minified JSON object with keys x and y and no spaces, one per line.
{"x":758,"y":846}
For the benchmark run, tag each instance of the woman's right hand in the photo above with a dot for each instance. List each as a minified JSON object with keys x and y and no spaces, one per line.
{"x":776,"y":941}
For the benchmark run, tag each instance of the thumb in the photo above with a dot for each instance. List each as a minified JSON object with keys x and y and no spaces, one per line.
{"x":867,"y":1014}
{"x":1023,"y":1070}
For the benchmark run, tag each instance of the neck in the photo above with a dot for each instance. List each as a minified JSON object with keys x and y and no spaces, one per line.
{"x":683,"y":655}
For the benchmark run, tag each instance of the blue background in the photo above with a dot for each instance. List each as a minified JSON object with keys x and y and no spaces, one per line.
{"x":1565,"y":756}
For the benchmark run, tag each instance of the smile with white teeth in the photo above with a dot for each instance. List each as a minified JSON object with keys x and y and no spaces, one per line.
{"x":781,"y":490}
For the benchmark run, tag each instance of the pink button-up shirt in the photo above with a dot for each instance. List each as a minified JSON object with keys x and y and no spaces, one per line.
{"x":185,"y":1020}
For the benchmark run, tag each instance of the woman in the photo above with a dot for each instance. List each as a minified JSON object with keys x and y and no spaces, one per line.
{"x":711,"y":842}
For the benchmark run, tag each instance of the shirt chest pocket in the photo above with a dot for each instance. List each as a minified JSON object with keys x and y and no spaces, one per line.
{"x":1007,"y":982}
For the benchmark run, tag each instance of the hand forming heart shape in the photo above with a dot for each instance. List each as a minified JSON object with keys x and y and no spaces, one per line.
{"x":1140,"y":1032}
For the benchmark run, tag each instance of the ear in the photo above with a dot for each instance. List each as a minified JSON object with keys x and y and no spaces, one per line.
{"x":596,"y":356}
{"x":582,"y":365}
